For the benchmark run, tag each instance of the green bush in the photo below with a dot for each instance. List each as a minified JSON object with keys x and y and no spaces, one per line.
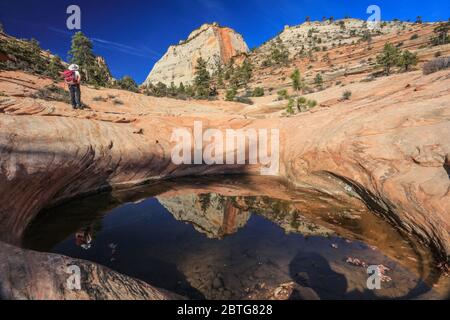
{"x":407,"y":59}
{"x":441,"y":34}
{"x":283,"y":95}
{"x":258,"y":92}
{"x":302,"y":100}
{"x":346,"y":95}
{"x":290,"y":106}
{"x":318,"y":80}
{"x":312,"y":103}
{"x":28,"y":57}
{"x":128,"y":83}
{"x":230,"y":94}
{"x":388,"y":57}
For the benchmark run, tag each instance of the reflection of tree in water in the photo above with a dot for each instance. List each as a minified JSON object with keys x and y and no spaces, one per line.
{"x":205,"y":201}
{"x":282,"y":212}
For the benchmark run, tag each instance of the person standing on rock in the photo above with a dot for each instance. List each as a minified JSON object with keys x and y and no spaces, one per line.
{"x":73,"y":79}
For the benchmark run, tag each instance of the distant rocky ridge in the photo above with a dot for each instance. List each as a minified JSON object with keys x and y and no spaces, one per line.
{"x":215,"y":44}
{"x":303,"y":44}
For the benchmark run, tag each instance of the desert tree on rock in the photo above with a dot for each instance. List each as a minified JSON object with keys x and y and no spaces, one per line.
{"x":298,"y":84}
{"x":406,"y":60}
{"x":441,"y":34}
{"x":388,"y":58}
{"x":202,"y":80}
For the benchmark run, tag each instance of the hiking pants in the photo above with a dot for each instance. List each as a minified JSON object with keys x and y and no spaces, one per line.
{"x":75,"y":95}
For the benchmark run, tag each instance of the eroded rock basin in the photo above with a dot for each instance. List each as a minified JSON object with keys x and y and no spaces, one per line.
{"x":240,"y":238}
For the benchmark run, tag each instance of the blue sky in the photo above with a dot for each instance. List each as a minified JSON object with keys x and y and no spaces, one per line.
{"x":132,"y":35}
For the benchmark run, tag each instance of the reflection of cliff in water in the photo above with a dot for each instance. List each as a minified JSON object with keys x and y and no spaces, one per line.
{"x":217,"y":216}
{"x":236,"y":238}
{"x":210,"y":214}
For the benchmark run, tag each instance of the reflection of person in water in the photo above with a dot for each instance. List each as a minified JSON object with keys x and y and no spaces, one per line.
{"x":83,"y":238}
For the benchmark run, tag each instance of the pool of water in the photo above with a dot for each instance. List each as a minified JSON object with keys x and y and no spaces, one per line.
{"x":226,"y":240}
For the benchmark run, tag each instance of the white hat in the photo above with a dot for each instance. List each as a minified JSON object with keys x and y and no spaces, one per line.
{"x":74,"y":67}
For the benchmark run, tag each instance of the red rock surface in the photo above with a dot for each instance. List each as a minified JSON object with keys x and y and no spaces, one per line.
{"x":389,"y":144}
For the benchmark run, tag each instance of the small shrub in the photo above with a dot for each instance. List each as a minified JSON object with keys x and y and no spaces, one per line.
{"x":230,"y":94}
{"x":435,"y":65}
{"x":302,"y":100}
{"x":290,"y":106}
{"x":437,"y":54}
{"x":312,"y":103}
{"x":346,"y":95}
{"x":127,"y":83}
{"x":118,"y":102}
{"x":245,"y":100}
{"x":414,"y":37}
{"x":99,"y":98}
{"x":258,"y":92}
{"x":283,"y":95}
{"x":52,"y":93}
{"x":318,"y":80}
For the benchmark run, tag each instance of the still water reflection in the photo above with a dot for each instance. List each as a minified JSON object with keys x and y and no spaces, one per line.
{"x":232,"y":241}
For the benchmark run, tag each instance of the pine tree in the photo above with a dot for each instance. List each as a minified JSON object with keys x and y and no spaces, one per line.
{"x":172,"y":90}
{"x":181,"y":89}
{"x":388,"y":57}
{"x":55,"y":67}
{"x":202,"y":79}
{"x":230,"y":94}
{"x":407,"y":59}
{"x":297,"y":84}
{"x":297,"y":81}
{"x":279,"y":54}
{"x":318,"y":80}
{"x":128,"y":83}
{"x":290,"y":107}
{"x":38,"y":63}
{"x":441,"y":32}
{"x":82,"y":55}
{"x":246,"y":72}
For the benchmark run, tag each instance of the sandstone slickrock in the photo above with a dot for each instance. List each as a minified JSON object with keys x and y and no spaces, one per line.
{"x":37,"y":276}
{"x":214,"y":43}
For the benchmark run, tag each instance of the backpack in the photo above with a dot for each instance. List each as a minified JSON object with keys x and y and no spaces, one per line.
{"x":70,"y":77}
